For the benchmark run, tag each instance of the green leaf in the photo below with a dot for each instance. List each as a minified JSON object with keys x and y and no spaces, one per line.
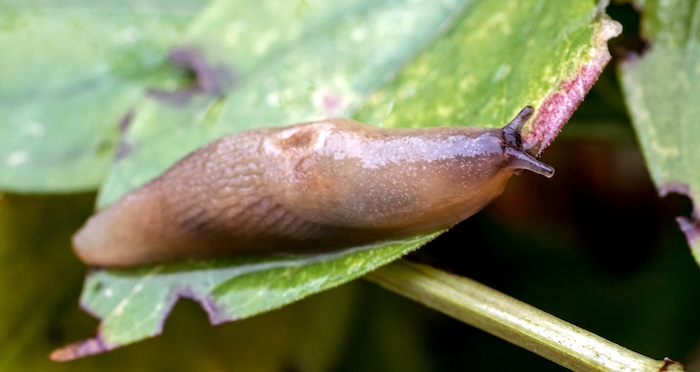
{"x":133,"y":304}
{"x":373,"y":59}
{"x":662,"y":91}
{"x":69,"y":74}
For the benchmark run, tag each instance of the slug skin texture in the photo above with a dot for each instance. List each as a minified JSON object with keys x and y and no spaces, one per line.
{"x":307,"y":188}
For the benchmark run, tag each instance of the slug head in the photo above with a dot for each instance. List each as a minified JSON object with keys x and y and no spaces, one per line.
{"x":513,"y":146}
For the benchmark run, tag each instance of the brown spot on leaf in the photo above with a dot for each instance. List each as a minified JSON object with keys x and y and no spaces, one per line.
{"x":123,"y":147}
{"x":123,"y":150}
{"x":125,"y":121}
{"x":208,"y":79}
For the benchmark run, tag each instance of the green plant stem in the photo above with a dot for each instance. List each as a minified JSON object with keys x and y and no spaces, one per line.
{"x":512,"y":320}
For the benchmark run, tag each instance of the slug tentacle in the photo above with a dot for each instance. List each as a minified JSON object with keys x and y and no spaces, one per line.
{"x":310,"y":187}
{"x":513,"y":130}
{"x":521,"y":159}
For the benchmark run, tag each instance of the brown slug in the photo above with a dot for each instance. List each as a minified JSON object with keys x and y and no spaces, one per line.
{"x":306,"y":188}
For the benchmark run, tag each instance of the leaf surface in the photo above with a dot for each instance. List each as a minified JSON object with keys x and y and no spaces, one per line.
{"x":69,"y":74}
{"x":662,"y":92}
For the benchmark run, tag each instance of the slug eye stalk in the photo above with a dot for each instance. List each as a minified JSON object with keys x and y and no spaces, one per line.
{"x":521,"y":159}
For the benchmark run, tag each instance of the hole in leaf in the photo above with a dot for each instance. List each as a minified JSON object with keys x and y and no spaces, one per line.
{"x":631,"y":44}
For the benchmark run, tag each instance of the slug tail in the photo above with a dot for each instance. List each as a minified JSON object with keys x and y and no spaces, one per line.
{"x":520,"y":159}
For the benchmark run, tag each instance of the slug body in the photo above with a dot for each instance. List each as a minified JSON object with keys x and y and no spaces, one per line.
{"x":309,"y":187}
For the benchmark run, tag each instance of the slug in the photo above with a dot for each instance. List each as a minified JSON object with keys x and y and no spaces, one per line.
{"x":310,"y":187}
